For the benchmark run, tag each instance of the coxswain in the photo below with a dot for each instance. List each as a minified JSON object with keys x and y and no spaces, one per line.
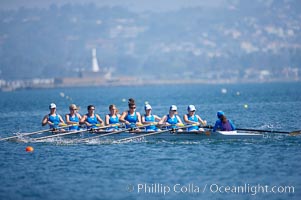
{"x":223,"y":124}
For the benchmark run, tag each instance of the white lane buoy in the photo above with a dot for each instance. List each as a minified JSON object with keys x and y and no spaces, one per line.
{"x":224,"y":90}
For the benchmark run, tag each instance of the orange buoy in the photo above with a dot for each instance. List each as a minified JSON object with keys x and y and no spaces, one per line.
{"x":29,"y":149}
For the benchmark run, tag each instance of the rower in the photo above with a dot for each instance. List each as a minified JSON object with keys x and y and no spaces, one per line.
{"x":192,"y":118}
{"x":172,"y":120}
{"x":149,"y":118}
{"x":53,"y":119}
{"x":91,"y":119}
{"x":223,"y":124}
{"x":112,"y":118}
{"x":131,"y":118}
{"x":73,"y":118}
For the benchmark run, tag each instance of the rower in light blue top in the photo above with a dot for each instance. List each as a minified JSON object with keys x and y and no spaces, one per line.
{"x":73,"y":118}
{"x":131,"y":118}
{"x":52,"y":119}
{"x":223,"y":124}
{"x":91,"y":119}
{"x":112,"y":118}
{"x":149,"y":118}
{"x":172,"y":120}
{"x":192,"y":118}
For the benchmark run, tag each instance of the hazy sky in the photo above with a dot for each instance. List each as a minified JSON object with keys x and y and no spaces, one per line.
{"x":137,"y":5}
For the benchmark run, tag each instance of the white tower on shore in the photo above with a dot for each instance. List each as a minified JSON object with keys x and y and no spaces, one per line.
{"x":95,"y":67}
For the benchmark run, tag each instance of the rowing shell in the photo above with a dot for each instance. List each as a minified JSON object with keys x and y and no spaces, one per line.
{"x":191,"y":135}
{"x":164,"y":136}
{"x":236,"y":135}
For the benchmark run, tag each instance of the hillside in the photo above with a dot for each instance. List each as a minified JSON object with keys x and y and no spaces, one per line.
{"x":239,"y":39}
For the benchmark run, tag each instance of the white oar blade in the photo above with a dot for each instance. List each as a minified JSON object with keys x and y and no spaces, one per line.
{"x":295,"y":133}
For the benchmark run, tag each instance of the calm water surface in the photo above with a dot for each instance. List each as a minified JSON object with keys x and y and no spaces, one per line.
{"x":156,"y":169}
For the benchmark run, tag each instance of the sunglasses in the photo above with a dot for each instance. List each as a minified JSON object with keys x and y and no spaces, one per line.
{"x":134,"y":107}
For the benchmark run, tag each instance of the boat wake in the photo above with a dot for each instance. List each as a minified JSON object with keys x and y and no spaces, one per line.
{"x":191,"y":139}
{"x":111,"y":141}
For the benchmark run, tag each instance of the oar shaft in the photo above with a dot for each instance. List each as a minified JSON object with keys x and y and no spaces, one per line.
{"x":25,"y":134}
{"x":143,"y":135}
{"x":60,"y":134}
{"x":152,"y":133}
{"x":72,"y":132}
{"x":111,"y":133}
{"x":33,"y":133}
{"x":103,"y":135}
{"x":257,"y":130}
{"x":108,"y":126}
{"x":262,"y":131}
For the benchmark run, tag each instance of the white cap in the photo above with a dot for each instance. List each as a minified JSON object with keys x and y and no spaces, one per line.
{"x":147,"y":107}
{"x":52,"y":105}
{"x":191,"y":108}
{"x":173,"y":107}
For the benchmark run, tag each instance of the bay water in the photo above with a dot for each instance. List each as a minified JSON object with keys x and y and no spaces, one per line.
{"x":268,"y":168}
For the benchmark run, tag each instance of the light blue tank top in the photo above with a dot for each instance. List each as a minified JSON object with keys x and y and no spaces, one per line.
{"x":55,"y":120}
{"x":113,"y":120}
{"x":91,"y":120}
{"x":150,"y":118}
{"x":194,"y":119}
{"x":132,"y":119}
{"x":73,"y":119}
{"x":173,"y":121}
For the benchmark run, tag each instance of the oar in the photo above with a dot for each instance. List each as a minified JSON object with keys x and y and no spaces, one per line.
{"x":111,"y":133}
{"x":97,"y":125}
{"x":25,"y":134}
{"x":167,"y":125}
{"x":32,"y":133}
{"x":72,"y":132}
{"x":152,"y":133}
{"x":102,"y":135}
{"x":294,"y":133}
{"x":270,"y":131}
{"x":60,"y":134}
{"x":263,"y":131}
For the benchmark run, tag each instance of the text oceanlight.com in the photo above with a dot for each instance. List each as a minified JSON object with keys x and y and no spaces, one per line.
{"x":164,"y":189}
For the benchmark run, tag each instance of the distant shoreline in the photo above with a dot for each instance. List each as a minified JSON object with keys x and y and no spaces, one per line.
{"x":98,"y":82}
